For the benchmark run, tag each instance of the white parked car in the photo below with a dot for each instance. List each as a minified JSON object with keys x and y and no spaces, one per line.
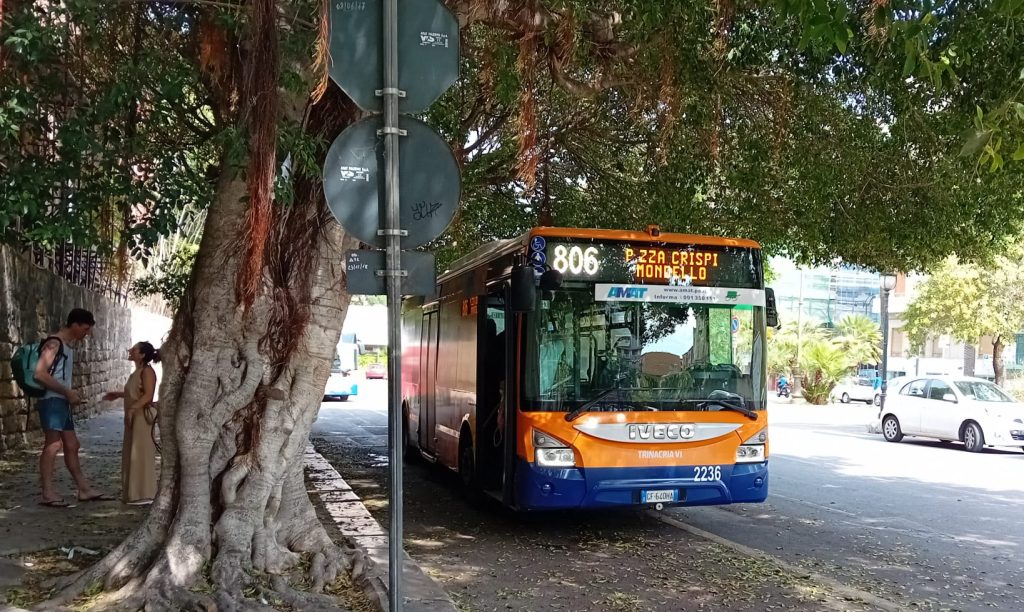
{"x":856,"y":389}
{"x":970,"y":410}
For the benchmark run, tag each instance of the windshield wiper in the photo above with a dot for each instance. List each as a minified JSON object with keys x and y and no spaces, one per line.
{"x":575,"y":413}
{"x":728,"y":401}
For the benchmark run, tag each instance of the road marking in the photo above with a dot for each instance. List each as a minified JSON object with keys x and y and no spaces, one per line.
{"x":838,"y":587}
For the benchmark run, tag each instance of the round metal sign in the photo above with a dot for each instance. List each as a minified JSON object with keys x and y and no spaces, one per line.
{"x":429,"y":182}
{"x":428,"y":52}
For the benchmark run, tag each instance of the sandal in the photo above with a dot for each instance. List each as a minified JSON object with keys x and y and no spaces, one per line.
{"x":55,"y":503}
{"x":97,"y":497}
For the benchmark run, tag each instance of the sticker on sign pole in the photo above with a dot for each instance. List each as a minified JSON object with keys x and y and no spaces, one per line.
{"x":428,"y":52}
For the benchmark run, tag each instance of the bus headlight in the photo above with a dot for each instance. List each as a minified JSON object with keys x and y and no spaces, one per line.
{"x":556,"y":457}
{"x":552,"y":452}
{"x":752,"y":450}
{"x":750,"y":453}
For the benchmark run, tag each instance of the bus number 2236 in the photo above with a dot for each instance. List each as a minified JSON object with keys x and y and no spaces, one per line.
{"x":708,"y":473}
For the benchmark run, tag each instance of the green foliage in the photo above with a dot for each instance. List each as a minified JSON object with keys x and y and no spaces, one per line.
{"x":720,"y":332}
{"x":373,"y":357}
{"x":104,"y":133}
{"x":823,"y":361}
{"x":962,"y":58}
{"x":782,"y":345}
{"x":170,"y":278}
{"x":860,"y":338}
{"x":969,"y":301}
{"x":822,"y":130}
{"x":827,"y":152}
{"x":824,"y":355}
{"x":369,"y":300}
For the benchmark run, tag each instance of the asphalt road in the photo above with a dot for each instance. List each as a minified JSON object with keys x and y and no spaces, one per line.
{"x":926,"y":525}
{"x":919,"y":521}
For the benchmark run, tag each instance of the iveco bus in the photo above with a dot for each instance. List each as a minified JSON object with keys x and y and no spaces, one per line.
{"x":577,"y":368}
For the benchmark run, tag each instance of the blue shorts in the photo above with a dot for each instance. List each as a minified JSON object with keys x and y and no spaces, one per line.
{"x":55,"y":414}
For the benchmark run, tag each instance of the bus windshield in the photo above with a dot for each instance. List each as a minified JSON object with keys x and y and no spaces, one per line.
{"x":607,"y":354}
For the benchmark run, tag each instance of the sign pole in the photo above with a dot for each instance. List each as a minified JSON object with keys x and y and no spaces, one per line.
{"x":365,"y":41}
{"x":392,"y":272}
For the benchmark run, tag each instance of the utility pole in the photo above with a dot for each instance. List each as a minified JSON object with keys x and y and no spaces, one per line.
{"x":888,"y":283}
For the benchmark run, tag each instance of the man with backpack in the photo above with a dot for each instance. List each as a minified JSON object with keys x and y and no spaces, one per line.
{"x":53,"y":373}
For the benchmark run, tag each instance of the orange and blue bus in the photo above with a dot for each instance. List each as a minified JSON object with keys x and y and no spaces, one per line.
{"x":579,"y":368}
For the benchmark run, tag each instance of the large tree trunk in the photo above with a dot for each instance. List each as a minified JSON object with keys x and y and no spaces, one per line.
{"x":997,"y":359}
{"x":241,"y":389}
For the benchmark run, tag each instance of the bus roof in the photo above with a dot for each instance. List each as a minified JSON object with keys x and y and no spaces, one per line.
{"x":631,"y":236}
{"x":497,"y":248}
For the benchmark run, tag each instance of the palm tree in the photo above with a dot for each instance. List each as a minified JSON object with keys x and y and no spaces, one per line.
{"x":824,"y":362}
{"x":860,"y":338}
{"x":782,"y":346}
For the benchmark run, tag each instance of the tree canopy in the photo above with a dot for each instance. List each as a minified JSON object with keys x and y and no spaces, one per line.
{"x":970,"y":301}
{"x":823,"y":130}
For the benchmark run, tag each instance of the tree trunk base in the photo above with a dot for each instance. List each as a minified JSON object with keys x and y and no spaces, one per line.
{"x":233,"y":586}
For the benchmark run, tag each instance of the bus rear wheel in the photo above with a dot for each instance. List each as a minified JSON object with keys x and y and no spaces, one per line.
{"x":467,"y":464}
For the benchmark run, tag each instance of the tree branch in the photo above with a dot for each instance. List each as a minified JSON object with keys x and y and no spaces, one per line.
{"x":579,"y":88}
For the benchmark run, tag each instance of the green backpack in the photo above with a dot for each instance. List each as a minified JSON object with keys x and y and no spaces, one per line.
{"x":23,"y":365}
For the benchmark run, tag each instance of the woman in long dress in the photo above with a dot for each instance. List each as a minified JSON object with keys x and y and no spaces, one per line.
{"x":138,"y":456}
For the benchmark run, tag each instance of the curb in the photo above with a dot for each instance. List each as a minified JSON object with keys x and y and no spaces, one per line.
{"x":370,"y":540}
{"x":840,"y":588}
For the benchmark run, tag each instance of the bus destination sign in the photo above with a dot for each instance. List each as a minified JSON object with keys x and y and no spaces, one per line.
{"x":660,"y":264}
{"x":649,"y":264}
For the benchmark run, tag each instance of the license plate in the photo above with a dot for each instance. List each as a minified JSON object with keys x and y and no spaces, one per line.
{"x":662,"y":495}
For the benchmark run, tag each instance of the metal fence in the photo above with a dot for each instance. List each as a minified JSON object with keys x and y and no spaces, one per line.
{"x":84,"y":267}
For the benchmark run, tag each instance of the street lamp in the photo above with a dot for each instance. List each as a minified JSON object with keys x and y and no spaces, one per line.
{"x":888,"y":284}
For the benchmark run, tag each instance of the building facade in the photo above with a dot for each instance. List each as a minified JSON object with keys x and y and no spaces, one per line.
{"x":826,"y":295}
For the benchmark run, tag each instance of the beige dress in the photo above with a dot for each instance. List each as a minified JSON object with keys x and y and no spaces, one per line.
{"x":138,"y":457}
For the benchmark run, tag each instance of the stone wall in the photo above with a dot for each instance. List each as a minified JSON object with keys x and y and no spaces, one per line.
{"x":34,"y":302}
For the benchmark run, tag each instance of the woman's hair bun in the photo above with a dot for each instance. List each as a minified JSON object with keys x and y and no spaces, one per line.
{"x":149,"y":353}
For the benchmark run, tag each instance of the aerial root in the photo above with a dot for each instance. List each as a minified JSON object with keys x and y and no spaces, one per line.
{"x":116,"y":569}
{"x":302,"y":599}
{"x":328,"y":561}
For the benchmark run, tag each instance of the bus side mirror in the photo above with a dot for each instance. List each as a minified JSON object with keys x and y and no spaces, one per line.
{"x":523,"y":290}
{"x":771,"y":310}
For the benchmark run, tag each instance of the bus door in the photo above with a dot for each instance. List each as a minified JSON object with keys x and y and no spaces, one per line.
{"x":513,"y":337}
{"x":491,"y":388}
{"x":428,"y":383}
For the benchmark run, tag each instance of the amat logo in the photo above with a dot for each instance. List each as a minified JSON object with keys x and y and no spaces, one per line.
{"x":629,"y":293}
{"x":732,"y":295}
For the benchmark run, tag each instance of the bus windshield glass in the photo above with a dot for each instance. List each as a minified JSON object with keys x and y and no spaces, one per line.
{"x":625,"y":356}
{"x":620,"y":334}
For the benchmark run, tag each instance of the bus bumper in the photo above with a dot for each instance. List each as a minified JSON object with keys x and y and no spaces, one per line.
{"x":542,"y":488}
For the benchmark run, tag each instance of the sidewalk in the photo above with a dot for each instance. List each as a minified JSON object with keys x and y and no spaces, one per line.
{"x":26,"y":527}
{"x":32,"y":536}
{"x":35,"y":540}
